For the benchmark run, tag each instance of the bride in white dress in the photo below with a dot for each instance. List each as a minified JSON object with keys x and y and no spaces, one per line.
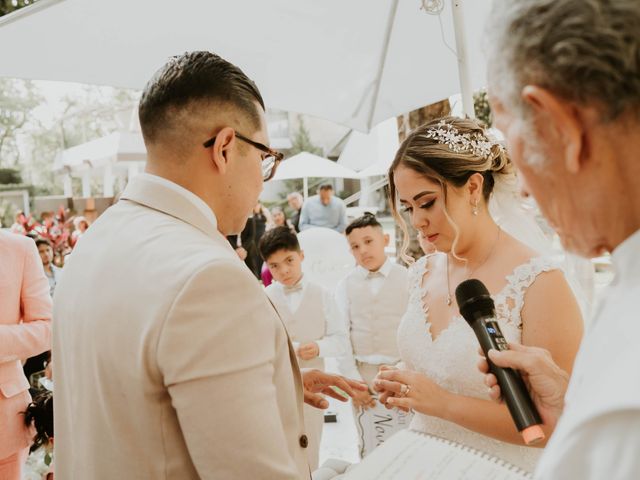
{"x":444,"y":175}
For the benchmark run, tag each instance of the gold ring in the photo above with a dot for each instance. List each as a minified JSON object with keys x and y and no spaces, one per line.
{"x":404,"y":390}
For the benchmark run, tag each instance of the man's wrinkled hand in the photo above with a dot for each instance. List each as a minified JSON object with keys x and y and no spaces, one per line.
{"x":546,"y":381}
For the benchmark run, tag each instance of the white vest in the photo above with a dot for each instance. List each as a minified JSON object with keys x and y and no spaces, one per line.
{"x":375,"y":318}
{"x":307,"y":323}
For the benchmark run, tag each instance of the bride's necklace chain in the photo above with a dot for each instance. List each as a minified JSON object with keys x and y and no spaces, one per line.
{"x":493,"y":248}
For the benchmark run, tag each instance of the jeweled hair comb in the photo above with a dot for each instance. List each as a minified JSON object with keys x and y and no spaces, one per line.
{"x":476,"y":143}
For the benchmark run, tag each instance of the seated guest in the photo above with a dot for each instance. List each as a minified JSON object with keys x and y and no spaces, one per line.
{"x":324,"y":210}
{"x":50,"y":270}
{"x":280,"y":218}
{"x":309,"y":312}
{"x":295,"y":201}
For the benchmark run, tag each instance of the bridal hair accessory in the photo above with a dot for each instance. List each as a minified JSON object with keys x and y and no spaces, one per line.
{"x":476,"y":143}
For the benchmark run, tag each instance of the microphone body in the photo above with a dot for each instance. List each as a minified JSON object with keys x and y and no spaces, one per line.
{"x":478,"y":309}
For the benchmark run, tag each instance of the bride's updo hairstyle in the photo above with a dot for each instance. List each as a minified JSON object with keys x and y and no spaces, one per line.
{"x":448,"y":151}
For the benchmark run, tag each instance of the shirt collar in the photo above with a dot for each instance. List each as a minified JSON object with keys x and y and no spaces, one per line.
{"x":385,"y":269}
{"x":625,"y":258}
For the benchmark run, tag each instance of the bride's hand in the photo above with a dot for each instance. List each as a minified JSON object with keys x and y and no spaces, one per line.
{"x":408,"y":390}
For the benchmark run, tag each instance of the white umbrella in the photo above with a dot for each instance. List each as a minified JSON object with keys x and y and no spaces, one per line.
{"x":375,"y":149}
{"x":115,"y":147}
{"x":305,"y":165}
{"x":355,"y":62}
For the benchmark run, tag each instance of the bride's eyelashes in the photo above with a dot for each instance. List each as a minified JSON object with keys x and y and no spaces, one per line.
{"x":426,"y":206}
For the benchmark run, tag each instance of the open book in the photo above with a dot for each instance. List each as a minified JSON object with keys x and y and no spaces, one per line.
{"x":410,"y":455}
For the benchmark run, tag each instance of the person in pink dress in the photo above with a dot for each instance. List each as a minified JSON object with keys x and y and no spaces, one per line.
{"x":25,"y":331}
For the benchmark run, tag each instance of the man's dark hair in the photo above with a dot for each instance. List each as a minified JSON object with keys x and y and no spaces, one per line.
{"x":279,"y":238}
{"x":195,"y":77}
{"x":42,"y":241}
{"x":368,"y":219}
{"x":326,"y":186}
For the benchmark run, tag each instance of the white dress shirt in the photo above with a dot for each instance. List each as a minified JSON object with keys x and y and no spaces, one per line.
{"x":598,"y":435}
{"x":336,"y":340}
{"x":375,"y":280}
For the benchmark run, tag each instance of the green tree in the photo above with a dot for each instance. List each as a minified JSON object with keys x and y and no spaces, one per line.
{"x":301,"y":142}
{"x":8,"y":6}
{"x":482,"y":108}
{"x":18,"y":98}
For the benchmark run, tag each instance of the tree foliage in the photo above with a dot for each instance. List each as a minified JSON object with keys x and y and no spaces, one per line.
{"x":8,"y":6}
{"x":18,"y":98}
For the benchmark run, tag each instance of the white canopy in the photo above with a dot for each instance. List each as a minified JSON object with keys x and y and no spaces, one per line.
{"x":307,"y":165}
{"x":378,"y":146}
{"x":355,"y":62}
{"x":116,"y":147}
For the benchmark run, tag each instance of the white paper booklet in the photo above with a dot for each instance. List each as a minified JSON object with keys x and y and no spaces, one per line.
{"x":411,"y":455}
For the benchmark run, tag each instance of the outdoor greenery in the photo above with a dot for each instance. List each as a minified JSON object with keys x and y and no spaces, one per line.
{"x":482,"y":108}
{"x":32,"y":133}
{"x":8,"y":6}
{"x":301,"y":142}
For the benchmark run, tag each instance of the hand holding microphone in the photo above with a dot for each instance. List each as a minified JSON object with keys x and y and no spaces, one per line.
{"x":478,"y":309}
{"x":546,"y":381}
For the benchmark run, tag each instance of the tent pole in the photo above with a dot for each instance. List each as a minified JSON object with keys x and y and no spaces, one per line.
{"x":305,"y":188}
{"x":463,"y":60}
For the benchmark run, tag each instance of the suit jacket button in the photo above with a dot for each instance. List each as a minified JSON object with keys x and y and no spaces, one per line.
{"x":304,"y":441}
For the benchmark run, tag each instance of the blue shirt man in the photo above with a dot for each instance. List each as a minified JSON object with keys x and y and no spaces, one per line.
{"x":324,"y":210}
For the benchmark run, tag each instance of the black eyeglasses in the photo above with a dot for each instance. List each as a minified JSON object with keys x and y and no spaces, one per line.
{"x":270,"y":159}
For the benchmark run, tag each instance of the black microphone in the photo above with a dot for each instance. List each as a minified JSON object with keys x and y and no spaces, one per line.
{"x":477,"y":308}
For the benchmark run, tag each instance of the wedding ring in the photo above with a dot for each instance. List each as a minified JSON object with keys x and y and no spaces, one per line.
{"x":404,"y":390}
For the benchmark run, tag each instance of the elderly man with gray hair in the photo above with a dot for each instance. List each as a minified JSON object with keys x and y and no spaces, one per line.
{"x":564,"y":81}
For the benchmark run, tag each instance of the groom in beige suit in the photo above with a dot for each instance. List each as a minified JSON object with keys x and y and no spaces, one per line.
{"x":169,"y":360}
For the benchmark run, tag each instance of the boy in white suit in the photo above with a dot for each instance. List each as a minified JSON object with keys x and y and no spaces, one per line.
{"x":373,"y":298}
{"x":310,"y":314}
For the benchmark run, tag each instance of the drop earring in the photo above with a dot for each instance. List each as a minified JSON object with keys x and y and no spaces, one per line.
{"x":475,"y":209}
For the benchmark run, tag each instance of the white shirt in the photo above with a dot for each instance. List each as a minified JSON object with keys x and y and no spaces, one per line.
{"x":183,"y":192}
{"x":336,"y":340}
{"x":598,"y":435}
{"x":347,"y":363}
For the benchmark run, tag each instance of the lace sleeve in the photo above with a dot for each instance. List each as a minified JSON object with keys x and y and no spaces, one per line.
{"x":510,"y":301}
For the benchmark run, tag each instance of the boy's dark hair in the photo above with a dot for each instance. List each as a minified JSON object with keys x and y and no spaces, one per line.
{"x":194,"y":77}
{"x":368,"y":219}
{"x":279,"y":238}
{"x":326,"y":186}
{"x":43,"y":241}
{"x":40,"y":414}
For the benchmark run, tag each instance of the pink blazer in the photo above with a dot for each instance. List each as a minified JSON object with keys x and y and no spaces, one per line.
{"x":25,"y":331}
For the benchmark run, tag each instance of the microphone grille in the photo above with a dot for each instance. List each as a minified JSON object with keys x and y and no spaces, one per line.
{"x":469,"y":289}
{"x":474,"y":298}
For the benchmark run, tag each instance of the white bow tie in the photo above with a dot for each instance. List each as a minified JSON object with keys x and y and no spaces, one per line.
{"x":375,"y":275}
{"x":293,"y":288}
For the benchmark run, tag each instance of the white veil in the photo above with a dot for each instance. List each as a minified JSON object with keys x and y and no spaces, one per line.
{"x":517,"y":217}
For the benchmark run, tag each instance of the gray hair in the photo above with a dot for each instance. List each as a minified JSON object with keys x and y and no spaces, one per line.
{"x":587,"y":51}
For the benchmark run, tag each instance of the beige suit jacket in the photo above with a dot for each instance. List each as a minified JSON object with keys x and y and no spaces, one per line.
{"x":169,"y":360}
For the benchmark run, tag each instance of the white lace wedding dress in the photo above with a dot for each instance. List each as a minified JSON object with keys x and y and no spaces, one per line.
{"x":450,"y":360}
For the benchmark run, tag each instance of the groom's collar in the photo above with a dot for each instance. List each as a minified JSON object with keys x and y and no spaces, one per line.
{"x":168,"y":197}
